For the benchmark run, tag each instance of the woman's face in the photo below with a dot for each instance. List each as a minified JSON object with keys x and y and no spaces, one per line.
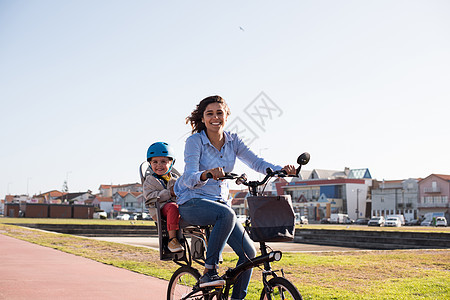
{"x":215,"y":117}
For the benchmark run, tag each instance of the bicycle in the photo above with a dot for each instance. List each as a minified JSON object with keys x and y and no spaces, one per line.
{"x":184,"y":282}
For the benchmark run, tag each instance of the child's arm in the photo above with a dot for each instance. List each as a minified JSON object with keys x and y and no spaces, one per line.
{"x":153,"y":192}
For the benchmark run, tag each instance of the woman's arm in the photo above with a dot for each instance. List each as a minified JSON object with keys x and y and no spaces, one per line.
{"x":251,"y":159}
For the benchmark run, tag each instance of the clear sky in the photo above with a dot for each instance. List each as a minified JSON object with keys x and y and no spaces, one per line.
{"x":86,"y":86}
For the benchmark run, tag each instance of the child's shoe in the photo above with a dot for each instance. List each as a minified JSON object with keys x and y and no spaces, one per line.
{"x":174,"y":246}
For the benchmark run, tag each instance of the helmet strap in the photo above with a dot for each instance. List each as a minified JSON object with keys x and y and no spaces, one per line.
{"x":170,"y":168}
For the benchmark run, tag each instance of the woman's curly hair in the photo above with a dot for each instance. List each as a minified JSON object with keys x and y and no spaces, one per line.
{"x":195,"y":119}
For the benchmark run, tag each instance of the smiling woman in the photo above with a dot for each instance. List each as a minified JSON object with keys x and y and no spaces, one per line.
{"x":203,"y":200}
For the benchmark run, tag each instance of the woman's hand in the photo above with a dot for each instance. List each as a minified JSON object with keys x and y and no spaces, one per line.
{"x":216,"y":173}
{"x":290,"y":169}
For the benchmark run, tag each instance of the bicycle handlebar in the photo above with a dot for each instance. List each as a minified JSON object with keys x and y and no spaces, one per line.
{"x":303,"y":159}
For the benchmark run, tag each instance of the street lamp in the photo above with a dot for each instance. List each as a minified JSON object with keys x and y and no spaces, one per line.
{"x":7,"y":188}
{"x":357,"y":203}
{"x":28,"y":181}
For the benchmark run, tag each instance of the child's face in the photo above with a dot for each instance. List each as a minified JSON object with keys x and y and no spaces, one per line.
{"x":160,"y":164}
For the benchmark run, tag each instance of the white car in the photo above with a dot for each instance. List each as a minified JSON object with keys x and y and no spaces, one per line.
{"x":393,"y":222}
{"x":304,"y":220}
{"x":441,"y":221}
{"x":100,"y":215}
{"x":241,"y":218}
{"x":376,"y":221}
{"x":123,"y":217}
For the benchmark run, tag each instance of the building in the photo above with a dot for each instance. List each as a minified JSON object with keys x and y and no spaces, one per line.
{"x":396,"y":197}
{"x":434,"y":192}
{"x":128,"y":202}
{"x":325,"y":192}
{"x":78,"y":197}
{"x":104,"y":203}
{"x":50,"y":197}
{"x":238,"y":204}
{"x":109,"y":190}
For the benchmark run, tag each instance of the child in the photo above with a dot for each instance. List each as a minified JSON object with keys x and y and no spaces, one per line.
{"x":159,"y":187}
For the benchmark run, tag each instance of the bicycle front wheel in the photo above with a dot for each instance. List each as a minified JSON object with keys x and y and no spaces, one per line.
{"x":281,"y":288}
{"x":182,"y":283}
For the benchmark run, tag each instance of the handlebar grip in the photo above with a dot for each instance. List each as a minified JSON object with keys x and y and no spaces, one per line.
{"x":229,"y":176}
{"x":209,"y":175}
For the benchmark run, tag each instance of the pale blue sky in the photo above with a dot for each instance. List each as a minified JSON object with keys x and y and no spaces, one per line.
{"x":87,"y":86}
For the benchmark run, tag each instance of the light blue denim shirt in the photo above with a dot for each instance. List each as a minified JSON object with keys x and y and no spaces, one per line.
{"x":201,"y":155}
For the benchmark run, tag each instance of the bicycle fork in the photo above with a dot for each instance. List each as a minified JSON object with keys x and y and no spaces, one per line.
{"x":268,"y":271}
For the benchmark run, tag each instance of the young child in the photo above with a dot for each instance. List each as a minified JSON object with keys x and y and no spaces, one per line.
{"x":159,"y":187}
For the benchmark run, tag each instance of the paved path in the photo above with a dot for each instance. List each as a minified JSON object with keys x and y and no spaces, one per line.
{"x":152,"y":243}
{"x":30,"y":271}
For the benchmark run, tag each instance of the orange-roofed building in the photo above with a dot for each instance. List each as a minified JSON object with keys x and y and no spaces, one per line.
{"x":103,"y":203}
{"x":130,"y":202}
{"x":108,"y":190}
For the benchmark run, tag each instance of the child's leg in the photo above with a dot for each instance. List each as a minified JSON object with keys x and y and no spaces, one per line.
{"x":170,"y":211}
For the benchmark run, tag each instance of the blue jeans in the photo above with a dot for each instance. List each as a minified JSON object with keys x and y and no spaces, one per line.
{"x":226,"y":230}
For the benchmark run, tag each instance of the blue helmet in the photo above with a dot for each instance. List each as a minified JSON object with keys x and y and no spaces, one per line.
{"x":160,"y":149}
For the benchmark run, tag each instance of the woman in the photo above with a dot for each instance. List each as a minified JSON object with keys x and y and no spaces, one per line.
{"x":203,"y":201}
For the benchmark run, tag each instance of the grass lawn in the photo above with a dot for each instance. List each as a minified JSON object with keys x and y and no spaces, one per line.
{"x":4,"y":220}
{"x":398,"y":274}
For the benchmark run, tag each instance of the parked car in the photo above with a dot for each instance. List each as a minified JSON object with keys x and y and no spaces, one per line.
{"x":300,"y":219}
{"x":400,"y":217}
{"x":413,"y":222}
{"x":362,"y":221}
{"x":123,"y":217}
{"x":141,"y":216}
{"x":340,"y":219}
{"x":376,"y":221}
{"x":325,"y":221}
{"x":393,"y":222}
{"x":349,"y":221}
{"x":241,"y":218}
{"x":304,"y":220}
{"x":425,"y":223}
{"x":100,"y":215}
{"x":441,"y":221}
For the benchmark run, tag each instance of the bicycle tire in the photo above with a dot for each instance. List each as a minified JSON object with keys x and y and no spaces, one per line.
{"x":182,"y":282}
{"x":281,"y":289}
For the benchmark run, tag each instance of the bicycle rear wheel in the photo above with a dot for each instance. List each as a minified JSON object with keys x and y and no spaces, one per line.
{"x":281,"y":288}
{"x":182,"y":283}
